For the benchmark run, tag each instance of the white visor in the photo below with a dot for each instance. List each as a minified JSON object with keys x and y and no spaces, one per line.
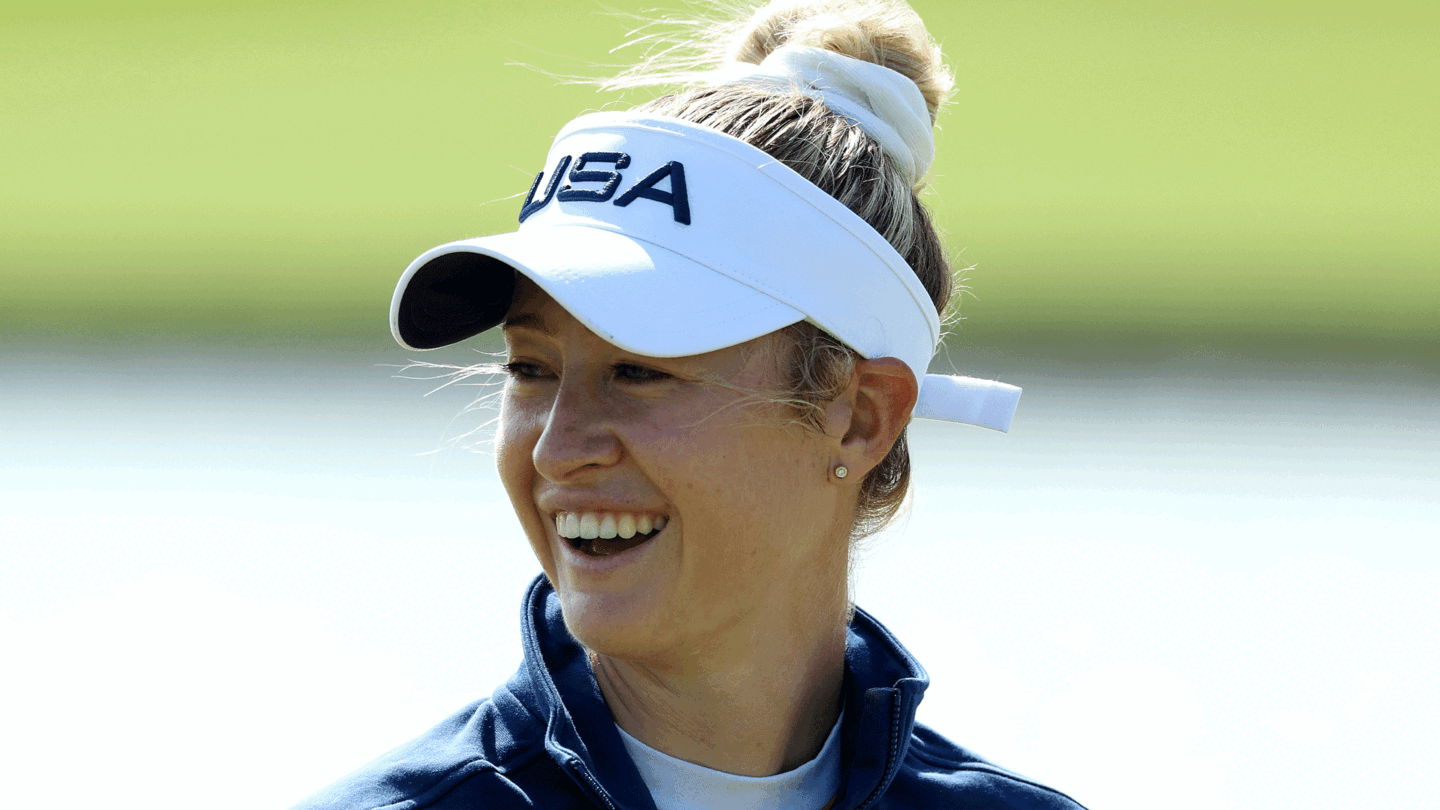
{"x":668,"y":239}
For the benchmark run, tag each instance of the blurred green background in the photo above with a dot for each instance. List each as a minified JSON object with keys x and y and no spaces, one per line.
{"x":1203,"y":238}
{"x":1127,"y":178}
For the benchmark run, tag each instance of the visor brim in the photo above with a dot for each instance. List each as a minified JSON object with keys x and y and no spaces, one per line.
{"x":636,"y":295}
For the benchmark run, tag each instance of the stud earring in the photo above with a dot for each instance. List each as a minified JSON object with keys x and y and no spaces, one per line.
{"x":840,"y":471}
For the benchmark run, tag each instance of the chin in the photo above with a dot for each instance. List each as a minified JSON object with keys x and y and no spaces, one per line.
{"x":616,"y":625}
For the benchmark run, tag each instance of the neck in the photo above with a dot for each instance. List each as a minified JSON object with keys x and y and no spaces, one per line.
{"x":760,"y":705}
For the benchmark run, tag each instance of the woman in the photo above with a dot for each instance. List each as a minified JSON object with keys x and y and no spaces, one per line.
{"x":718,"y":312}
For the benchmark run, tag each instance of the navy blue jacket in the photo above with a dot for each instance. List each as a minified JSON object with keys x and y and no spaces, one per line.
{"x":547,"y":740}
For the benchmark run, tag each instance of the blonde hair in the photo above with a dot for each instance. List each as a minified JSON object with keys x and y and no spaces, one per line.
{"x":824,"y":147}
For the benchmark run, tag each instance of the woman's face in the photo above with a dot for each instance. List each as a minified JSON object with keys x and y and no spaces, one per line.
{"x":747,"y":529}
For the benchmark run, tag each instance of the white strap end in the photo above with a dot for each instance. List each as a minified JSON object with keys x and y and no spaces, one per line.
{"x":985,"y":403}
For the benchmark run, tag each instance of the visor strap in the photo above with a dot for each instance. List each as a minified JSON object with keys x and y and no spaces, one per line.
{"x":985,"y":403}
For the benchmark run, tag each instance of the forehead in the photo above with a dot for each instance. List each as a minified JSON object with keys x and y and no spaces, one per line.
{"x":531,"y":308}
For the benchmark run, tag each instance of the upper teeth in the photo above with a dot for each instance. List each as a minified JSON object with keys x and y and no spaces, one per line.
{"x":605,"y":525}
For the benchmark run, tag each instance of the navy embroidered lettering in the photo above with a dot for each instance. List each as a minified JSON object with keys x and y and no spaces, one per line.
{"x":610,"y":179}
{"x":676,"y":198}
{"x":531,"y":204}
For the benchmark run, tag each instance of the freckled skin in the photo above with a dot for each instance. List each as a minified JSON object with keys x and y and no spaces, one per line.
{"x":755,"y":547}
{"x":720,"y":641}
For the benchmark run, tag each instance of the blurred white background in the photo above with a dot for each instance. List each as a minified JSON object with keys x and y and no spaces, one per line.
{"x":231,"y":577}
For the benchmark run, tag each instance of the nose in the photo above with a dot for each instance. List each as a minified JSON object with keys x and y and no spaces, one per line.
{"x":578,"y":435}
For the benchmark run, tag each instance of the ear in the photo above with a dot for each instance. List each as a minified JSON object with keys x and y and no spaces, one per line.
{"x":872,"y":412}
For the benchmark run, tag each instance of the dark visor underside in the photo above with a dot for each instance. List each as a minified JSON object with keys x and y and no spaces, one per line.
{"x":454,"y":297}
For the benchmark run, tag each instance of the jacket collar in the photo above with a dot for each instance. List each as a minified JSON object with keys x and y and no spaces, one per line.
{"x":882,"y":689}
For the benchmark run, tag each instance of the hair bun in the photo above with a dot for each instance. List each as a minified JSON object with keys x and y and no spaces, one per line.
{"x":884,"y":32}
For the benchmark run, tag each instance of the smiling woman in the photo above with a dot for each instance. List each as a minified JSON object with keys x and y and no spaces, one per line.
{"x":691,"y":481}
{"x":744,"y":576}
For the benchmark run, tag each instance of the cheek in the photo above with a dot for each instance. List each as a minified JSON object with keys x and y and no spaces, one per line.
{"x":757,"y":489}
{"x":515,"y":438}
{"x":786,"y":495}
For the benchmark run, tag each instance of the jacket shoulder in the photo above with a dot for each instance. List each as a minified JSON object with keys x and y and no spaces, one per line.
{"x":940,"y":773}
{"x":475,"y":752}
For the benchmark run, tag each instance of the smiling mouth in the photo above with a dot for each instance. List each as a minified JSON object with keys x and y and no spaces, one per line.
{"x":605,"y":534}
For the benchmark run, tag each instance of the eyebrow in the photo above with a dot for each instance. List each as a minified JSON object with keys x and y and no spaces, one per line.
{"x":528,"y":320}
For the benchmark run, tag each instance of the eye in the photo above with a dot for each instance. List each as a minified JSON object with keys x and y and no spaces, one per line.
{"x":629,"y":372}
{"x":523,"y":370}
